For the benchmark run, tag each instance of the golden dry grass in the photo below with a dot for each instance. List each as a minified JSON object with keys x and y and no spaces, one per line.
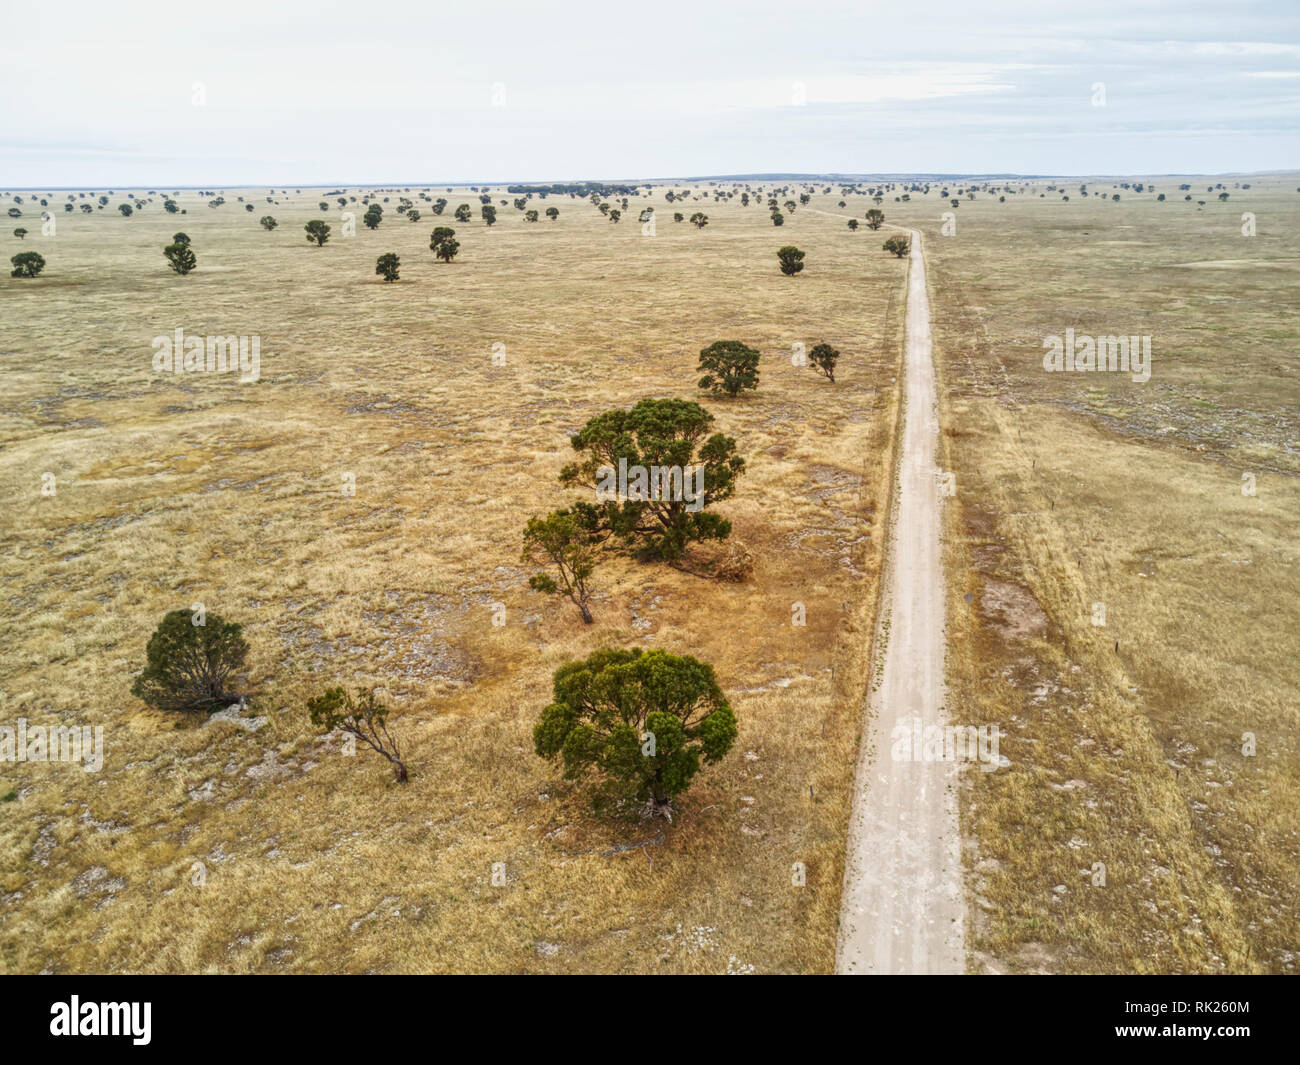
{"x":176,"y":490}
{"x":1126,"y":741}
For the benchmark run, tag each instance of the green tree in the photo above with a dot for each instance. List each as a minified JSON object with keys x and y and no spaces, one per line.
{"x":641,"y":723}
{"x":562,"y":540}
{"x":778,"y":219}
{"x":530,"y":215}
{"x":656,"y":436}
{"x":552,"y":213}
{"x":373,"y":217}
{"x":180,"y":257}
{"x":443,"y":243}
{"x":900,"y":246}
{"x":729,"y":367}
{"x":678,"y":216}
{"x":875,"y":218}
{"x":387,"y":265}
{"x":699,"y":220}
{"x":489,"y":214}
{"x":412,"y":215}
{"x":125,"y":208}
{"x":318,"y":231}
{"x":853,"y":224}
{"x":20,"y":232}
{"x":790,"y":259}
{"x":170,"y":206}
{"x":364,"y":717}
{"x":27,"y":264}
{"x":463,"y":213}
{"x":823,"y":357}
{"x":268,"y":223}
{"x":180,"y":238}
{"x":14,"y":212}
{"x":190,"y":666}
{"x":439,"y":205}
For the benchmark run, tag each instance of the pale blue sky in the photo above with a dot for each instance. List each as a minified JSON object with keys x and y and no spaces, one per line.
{"x":305,"y":93}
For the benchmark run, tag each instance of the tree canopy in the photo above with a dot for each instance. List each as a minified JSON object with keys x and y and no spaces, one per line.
{"x":641,"y":723}
{"x":658,"y":437}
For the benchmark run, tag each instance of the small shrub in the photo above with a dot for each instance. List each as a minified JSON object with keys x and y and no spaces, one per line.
{"x":730,"y":368}
{"x":180,"y":257}
{"x":364,"y":717}
{"x":737,"y":564}
{"x":565,"y":542}
{"x":900,"y":246}
{"x":823,"y":358}
{"x":318,"y":231}
{"x":27,"y":264}
{"x":188,"y":667}
{"x":790,"y":259}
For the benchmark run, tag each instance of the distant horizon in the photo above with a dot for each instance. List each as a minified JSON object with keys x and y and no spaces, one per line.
{"x":769,"y":176}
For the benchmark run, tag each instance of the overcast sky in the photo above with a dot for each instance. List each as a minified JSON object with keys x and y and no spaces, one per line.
{"x":293,"y":93}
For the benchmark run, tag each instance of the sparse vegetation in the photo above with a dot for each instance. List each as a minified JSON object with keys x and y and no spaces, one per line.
{"x":562,"y":540}
{"x":823,"y":358}
{"x":27,"y":264}
{"x":180,"y":257}
{"x":790,"y":259}
{"x":317,"y":232}
{"x":729,"y":367}
{"x":364,"y":718}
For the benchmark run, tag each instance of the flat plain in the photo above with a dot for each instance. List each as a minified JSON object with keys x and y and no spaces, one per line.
{"x":1128,"y":831}
{"x":178,"y":489}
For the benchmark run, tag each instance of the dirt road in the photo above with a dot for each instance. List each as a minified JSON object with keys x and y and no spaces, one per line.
{"x":901,"y":910}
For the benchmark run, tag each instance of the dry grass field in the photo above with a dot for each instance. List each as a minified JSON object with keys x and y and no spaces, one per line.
{"x":1126,"y":741}
{"x":250,"y":845}
{"x":1130,"y":831}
